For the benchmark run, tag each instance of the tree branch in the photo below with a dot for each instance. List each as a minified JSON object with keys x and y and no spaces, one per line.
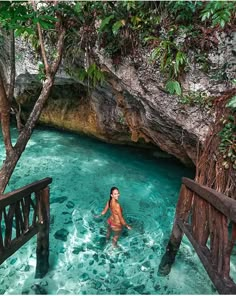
{"x":5,"y":118}
{"x":13,"y":67}
{"x":60,"y":46}
{"x":43,"y":51}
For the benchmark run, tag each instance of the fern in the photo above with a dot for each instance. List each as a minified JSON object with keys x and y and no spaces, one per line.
{"x":172,"y":60}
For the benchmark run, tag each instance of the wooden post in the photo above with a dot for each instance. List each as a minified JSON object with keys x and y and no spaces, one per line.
{"x":42,"y":265}
{"x":1,"y":240}
{"x":182,"y":212}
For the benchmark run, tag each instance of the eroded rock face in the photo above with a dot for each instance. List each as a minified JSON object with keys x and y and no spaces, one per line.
{"x":131,"y":107}
{"x":116,"y":114}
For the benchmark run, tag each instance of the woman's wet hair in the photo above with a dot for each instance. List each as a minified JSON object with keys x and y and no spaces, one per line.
{"x":111,"y":191}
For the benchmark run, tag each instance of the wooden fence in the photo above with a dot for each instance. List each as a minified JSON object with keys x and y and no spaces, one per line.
{"x":24,"y":213}
{"x":208,"y":219}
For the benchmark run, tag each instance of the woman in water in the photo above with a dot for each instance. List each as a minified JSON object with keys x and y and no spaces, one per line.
{"x":116,"y":220}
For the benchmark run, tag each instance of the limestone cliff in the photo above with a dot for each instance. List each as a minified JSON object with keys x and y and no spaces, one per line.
{"x":131,"y":107}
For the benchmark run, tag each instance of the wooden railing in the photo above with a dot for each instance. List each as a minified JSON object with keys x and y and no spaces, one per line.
{"x":24,"y":213}
{"x":208,"y":219}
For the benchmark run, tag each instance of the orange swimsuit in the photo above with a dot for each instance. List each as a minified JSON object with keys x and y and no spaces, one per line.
{"x":111,"y":223}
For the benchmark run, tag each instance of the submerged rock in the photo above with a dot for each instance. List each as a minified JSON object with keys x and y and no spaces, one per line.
{"x":77,"y":250}
{"x":13,"y":261}
{"x":70,"y":205}
{"x":61,"y":234}
{"x":39,"y":290}
{"x":84,"y":277}
{"x":27,"y":267}
{"x":91,"y":262}
{"x":60,"y":199}
{"x":139,"y":289}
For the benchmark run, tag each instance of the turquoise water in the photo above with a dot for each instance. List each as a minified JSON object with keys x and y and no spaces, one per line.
{"x":83,"y":170}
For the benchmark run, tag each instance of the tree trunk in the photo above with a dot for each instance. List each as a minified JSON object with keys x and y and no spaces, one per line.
{"x":13,"y":154}
{"x":13,"y":68}
{"x":5,"y":117}
{"x":17,"y":111}
{"x":12,"y":159}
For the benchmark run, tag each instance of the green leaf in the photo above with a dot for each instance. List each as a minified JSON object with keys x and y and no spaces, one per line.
{"x":232,"y":103}
{"x":78,"y":7}
{"x":150,"y":38}
{"x":117,"y":25}
{"x":173,"y":87}
{"x":105,"y":22}
{"x":222,"y":23}
{"x":46,"y":25}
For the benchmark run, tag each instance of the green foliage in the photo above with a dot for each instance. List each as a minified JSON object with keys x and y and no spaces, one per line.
{"x":228,"y":141}
{"x":218,"y":12}
{"x":232,"y":103}
{"x":92,"y":76}
{"x":184,"y":11}
{"x":105,"y":22}
{"x":173,"y":87}
{"x":196,"y":98}
{"x":117,"y":25}
{"x":172,"y":59}
{"x":95,"y":75}
{"x":41,"y":72}
{"x":23,"y":19}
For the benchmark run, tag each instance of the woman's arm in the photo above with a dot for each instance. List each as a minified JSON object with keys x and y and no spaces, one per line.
{"x":105,"y":209}
{"x":122,"y":220}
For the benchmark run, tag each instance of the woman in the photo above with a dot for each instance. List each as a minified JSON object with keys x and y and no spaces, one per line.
{"x":116,"y":220}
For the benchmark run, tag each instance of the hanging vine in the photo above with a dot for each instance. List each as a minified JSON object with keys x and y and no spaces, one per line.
{"x":216,"y":164}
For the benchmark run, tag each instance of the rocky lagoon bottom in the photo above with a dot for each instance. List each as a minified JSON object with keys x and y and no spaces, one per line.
{"x":83,"y":170}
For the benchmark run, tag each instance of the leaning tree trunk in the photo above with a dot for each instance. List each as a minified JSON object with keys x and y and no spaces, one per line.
{"x":12,"y":158}
{"x":13,"y":154}
{"x":5,"y":117}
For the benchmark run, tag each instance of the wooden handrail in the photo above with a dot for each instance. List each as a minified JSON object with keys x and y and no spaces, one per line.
{"x":18,"y":194}
{"x":203,"y":215}
{"x":221,"y":202}
{"x":16,"y":207}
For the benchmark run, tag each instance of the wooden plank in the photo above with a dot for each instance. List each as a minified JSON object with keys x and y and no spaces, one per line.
{"x":219,"y":228}
{"x":36,"y":208}
{"x":221,"y":202}
{"x":43,"y":234}
{"x":19,"y":217}
{"x":214,"y":242}
{"x":224,"y":286}
{"x":8,"y":223}
{"x":200,"y":220}
{"x":18,"y":243}
{"x":229,"y":249}
{"x":1,"y":239}
{"x":16,"y":195}
{"x":17,"y":221}
{"x":182,"y":211}
{"x":26,"y":211}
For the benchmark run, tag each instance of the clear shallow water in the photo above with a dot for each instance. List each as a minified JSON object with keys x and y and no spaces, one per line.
{"x":83,"y":170}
